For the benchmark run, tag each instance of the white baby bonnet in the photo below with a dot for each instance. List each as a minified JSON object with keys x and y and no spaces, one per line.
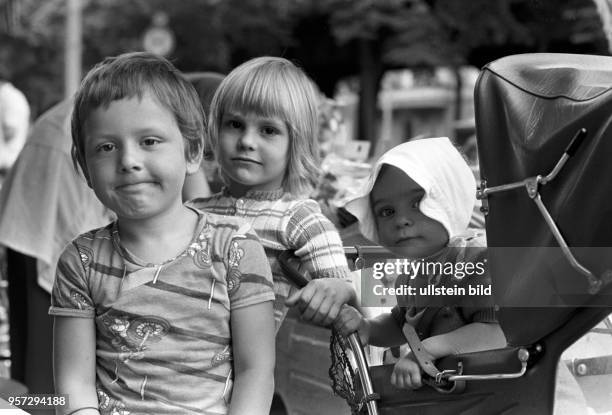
{"x":438,"y":167}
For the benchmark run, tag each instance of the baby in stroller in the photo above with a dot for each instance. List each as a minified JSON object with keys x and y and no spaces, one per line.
{"x":417,"y":203}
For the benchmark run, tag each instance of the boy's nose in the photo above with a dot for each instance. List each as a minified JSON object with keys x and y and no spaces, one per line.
{"x":130,"y":159}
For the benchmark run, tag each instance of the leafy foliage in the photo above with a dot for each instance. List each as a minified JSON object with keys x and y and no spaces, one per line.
{"x":212,"y":35}
{"x":330,"y":38}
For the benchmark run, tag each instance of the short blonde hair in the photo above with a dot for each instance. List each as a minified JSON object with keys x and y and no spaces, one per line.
{"x":274,"y":87}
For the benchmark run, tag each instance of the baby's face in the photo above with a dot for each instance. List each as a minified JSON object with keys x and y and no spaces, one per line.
{"x":402,"y":227}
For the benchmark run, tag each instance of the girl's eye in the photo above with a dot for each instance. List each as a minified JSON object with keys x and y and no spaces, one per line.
{"x":415,"y":204}
{"x":234,"y":124}
{"x":269,"y":130}
{"x":150,"y":141}
{"x":386,"y":212}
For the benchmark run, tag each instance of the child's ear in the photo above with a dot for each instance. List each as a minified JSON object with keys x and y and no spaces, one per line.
{"x":194,"y":163}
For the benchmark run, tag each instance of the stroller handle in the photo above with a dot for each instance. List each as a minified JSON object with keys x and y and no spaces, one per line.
{"x":298,"y":279}
{"x":292,"y":274}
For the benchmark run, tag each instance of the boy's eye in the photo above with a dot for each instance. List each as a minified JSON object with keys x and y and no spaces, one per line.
{"x":105,"y":148}
{"x":415,"y":204}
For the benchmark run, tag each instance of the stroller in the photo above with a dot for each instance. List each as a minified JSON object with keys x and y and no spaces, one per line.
{"x":544,"y":131}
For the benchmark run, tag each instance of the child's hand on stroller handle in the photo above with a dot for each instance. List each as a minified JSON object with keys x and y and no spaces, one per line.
{"x":321,"y":300}
{"x":350,"y":320}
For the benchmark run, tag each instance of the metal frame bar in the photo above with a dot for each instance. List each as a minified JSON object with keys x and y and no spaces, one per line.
{"x":532,"y":184}
{"x":364,"y":372}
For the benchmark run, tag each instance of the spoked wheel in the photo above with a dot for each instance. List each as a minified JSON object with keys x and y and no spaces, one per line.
{"x":350,"y":374}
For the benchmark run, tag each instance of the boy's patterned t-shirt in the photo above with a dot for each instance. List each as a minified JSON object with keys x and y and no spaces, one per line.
{"x":163,"y":339}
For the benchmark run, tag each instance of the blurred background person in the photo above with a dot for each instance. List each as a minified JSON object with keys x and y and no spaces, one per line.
{"x":44,"y":204}
{"x":14,"y":123}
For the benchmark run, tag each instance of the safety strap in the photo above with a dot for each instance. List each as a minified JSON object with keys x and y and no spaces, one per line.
{"x":418,"y":350}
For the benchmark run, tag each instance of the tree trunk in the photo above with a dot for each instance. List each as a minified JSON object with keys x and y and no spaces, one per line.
{"x":458,"y":92}
{"x":370,"y":74}
{"x":73,"y":47}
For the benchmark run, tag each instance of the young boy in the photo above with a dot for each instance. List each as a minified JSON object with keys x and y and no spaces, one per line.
{"x":418,"y":204}
{"x":164,"y":309}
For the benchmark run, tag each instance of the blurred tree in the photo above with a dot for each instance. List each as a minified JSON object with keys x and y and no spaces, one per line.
{"x":468,"y":26}
{"x":315,"y":49}
{"x":210,"y":35}
{"x":374,"y":26}
{"x":481,"y":31}
{"x":255,"y":28}
{"x":331,"y":39}
{"x":362,"y":33}
{"x":10,"y":15}
{"x":366,"y":38}
{"x":30,"y":36}
{"x":339,"y":38}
